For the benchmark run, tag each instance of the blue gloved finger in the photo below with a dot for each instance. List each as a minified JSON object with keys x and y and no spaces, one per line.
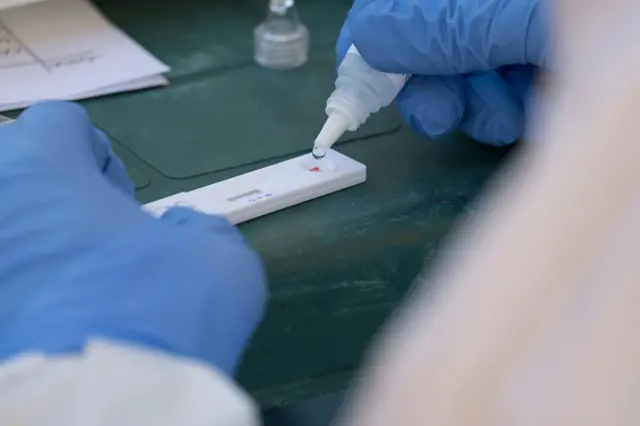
{"x":449,"y":36}
{"x":433,"y":105}
{"x":55,"y":117}
{"x":113,"y":168}
{"x":520,"y":80}
{"x":201,"y":222}
{"x":239,"y":307}
{"x":63,"y":129}
{"x":493,"y":115}
{"x":345,"y":39}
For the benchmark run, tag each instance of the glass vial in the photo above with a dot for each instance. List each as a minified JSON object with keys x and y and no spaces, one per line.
{"x":281,"y":41}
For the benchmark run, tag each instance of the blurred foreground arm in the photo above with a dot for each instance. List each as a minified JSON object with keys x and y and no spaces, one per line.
{"x":533,"y":320}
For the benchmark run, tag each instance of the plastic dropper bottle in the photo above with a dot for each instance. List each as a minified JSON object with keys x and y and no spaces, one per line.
{"x":360,"y":91}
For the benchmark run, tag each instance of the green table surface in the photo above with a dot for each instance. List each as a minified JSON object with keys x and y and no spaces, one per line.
{"x":337,"y":265}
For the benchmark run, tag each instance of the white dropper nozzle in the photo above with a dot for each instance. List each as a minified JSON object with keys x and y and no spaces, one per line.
{"x":360,"y":91}
{"x":336,"y":124}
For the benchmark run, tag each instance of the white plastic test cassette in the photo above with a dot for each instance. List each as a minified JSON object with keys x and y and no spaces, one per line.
{"x":270,"y":189}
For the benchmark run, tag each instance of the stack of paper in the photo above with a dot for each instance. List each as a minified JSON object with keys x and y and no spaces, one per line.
{"x":66,"y":49}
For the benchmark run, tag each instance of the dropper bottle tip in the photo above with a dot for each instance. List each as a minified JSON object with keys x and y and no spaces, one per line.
{"x":333,"y":128}
{"x":318,"y":153}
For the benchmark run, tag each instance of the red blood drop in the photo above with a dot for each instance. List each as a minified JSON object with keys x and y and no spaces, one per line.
{"x":315,"y":169}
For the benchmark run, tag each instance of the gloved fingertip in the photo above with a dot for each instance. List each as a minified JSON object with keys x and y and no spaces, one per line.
{"x":207,"y":224}
{"x":498,"y":131}
{"x":64,"y":128}
{"x":520,"y":80}
{"x":493,"y":115}
{"x":54,"y":113}
{"x":112,"y":167}
{"x":433,"y":106}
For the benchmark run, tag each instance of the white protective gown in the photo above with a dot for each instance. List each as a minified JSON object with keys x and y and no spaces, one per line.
{"x":115,"y":384}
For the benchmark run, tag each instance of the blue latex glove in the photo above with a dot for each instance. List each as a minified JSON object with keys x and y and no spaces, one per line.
{"x":472,"y":61}
{"x":81,"y":260}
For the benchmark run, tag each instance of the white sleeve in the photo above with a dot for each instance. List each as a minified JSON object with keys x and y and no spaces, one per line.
{"x":114,"y":384}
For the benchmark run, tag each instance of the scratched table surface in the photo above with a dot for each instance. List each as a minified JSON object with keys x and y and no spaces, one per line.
{"x":337,"y":265}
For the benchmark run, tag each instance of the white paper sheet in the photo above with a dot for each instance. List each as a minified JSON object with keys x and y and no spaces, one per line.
{"x":6,"y":4}
{"x":65,"y":49}
{"x":143,"y":83}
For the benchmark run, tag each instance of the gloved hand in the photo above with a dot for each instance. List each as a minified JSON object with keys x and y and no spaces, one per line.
{"x":472,"y":61}
{"x":80,"y":259}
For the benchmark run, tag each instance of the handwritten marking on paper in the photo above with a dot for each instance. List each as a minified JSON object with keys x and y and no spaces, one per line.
{"x":12,"y":53}
{"x":15,"y":53}
{"x":67,"y":49}
{"x":8,"y":46}
{"x":76,"y":59}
